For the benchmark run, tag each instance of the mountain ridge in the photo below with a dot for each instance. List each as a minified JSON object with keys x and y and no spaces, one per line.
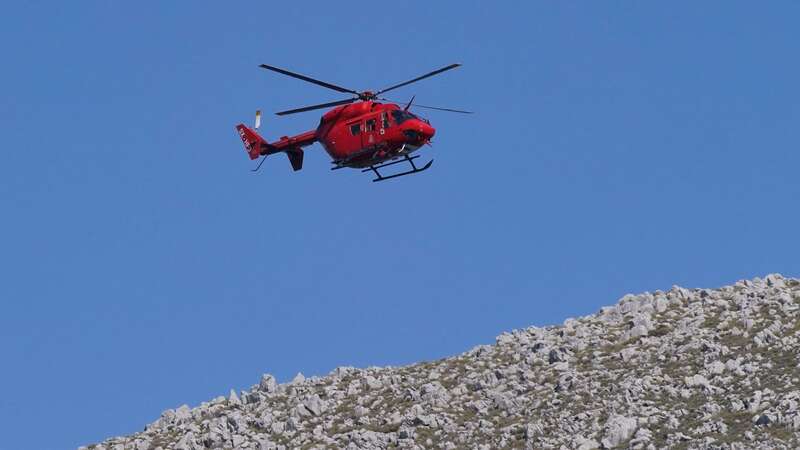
{"x":685,"y":368}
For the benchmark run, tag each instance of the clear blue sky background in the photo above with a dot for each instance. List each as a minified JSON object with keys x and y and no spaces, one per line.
{"x":618,"y":147}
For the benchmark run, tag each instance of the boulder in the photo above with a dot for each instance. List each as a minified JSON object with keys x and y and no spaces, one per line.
{"x":617,"y":430}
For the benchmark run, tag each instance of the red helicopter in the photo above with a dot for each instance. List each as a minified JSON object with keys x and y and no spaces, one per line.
{"x":360,"y":132}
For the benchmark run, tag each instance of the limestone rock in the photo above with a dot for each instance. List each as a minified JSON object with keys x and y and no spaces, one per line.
{"x":268,"y":383}
{"x":299,"y":378}
{"x":618,"y":430}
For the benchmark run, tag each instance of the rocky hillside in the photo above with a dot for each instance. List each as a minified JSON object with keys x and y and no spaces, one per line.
{"x":687,"y":368}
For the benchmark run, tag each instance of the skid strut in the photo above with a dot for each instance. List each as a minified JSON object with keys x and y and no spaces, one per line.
{"x":410,"y":160}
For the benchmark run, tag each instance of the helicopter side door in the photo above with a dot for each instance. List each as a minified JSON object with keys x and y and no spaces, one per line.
{"x":371,"y":136}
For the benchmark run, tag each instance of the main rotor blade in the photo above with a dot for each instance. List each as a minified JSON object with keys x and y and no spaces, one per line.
{"x":435,"y":72}
{"x":311,"y":108}
{"x":310,"y":80}
{"x":417,"y":105}
{"x":409,"y":103}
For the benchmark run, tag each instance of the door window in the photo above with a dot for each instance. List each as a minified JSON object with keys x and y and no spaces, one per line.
{"x":370,"y":125}
{"x":355,"y":129}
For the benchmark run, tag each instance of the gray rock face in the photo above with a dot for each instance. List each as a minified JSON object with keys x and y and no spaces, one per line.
{"x":686,"y":368}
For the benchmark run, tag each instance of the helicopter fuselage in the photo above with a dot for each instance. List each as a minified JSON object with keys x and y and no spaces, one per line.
{"x":367,"y":133}
{"x":359,"y":132}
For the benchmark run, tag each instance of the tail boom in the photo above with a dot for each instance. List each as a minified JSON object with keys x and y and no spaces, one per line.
{"x":293,"y":146}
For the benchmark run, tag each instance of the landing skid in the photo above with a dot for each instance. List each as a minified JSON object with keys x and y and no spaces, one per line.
{"x":410,"y":160}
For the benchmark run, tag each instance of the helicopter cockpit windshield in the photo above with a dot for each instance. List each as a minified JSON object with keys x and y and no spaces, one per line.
{"x":401,"y":116}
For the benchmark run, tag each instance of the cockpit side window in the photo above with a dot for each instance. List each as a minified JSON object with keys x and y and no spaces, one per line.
{"x":370,"y":126}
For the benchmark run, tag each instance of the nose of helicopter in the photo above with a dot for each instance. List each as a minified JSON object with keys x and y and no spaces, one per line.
{"x":426,"y":131}
{"x":418,"y":132}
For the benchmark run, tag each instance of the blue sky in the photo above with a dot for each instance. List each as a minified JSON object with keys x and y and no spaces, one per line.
{"x":617,"y":147}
